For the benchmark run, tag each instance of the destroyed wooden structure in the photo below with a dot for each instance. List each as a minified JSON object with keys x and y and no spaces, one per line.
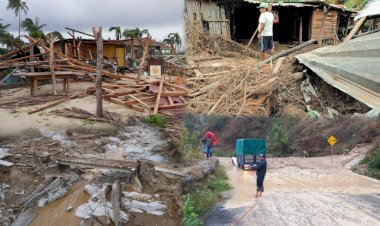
{"x":125,"y":90}
{"x":299,"y":20}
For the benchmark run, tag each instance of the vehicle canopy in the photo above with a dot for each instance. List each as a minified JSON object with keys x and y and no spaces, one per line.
{"x":250,"y":147}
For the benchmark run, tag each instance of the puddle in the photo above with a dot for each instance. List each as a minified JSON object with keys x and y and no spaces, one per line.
{"x":59,"y":137}
{"x":55,"y":213}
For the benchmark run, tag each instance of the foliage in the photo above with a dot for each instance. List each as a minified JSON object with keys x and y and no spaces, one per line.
{"x":156,"y":120}
{"x":204,"y":196}
{"x":279,"y":138}
{"x":34,"y":28}
{"x":355,"y":4}
{"x":174,"y":40}
{"x":18,"y":6}
{"x":117,"y":32}
{"x":189,"y":216}
{"x":135,"y":33}
{"x":190,"y":145}
{"x":373,"y":159}
{"x":88,"y":122}
{"x":56,"y":35}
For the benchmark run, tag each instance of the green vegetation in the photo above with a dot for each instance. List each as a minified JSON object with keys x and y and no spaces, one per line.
{"x":373,"y":164}
{"x":280,"y":139}
{"x":88,"y":122}
{"x":156,"y":120}
{"x":203,"y":196}
{"x":190,"y":145}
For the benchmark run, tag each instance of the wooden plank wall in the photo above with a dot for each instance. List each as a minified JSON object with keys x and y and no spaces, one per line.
{"x":330,"y":23}
{"x":212,"y":14}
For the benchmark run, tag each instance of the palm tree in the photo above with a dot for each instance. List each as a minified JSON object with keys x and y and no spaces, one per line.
{"x":18,"y":6}
{"x":3,"y":31}
{"x":56,"y":35}
{"x":11,"y":42}
{"x":34,"y":28}
{"x":135,"y":33}
{"x":117,"y":32}
{"x":175,"y":42}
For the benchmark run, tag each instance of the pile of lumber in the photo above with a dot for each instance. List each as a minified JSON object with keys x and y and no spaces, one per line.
{"x":147,"y":96}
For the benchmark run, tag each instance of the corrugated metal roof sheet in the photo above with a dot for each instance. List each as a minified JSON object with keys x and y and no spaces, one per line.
{"x":352,"y":67}
{"x":372,"y":8}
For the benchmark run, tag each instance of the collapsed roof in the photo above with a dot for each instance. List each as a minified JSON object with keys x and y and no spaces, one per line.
{"x":352,"y":67}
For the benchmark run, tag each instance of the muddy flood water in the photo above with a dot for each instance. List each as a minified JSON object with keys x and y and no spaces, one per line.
{"x":56,"y":213}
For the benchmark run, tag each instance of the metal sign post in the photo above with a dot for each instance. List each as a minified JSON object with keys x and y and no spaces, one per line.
{"x":332,"y":140}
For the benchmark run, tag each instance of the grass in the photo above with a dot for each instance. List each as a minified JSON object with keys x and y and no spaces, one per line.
{"x":88,"y":122}
{"x":204,"y":196}
{"x":156,"y":120}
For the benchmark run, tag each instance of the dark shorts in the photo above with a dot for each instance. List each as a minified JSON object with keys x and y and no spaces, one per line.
{"x":266,"y":43}
{"x":260,"y":183}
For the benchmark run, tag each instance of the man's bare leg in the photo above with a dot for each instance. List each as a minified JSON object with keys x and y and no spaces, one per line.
{"x":262,"y":56}
{"x":257,"y":195}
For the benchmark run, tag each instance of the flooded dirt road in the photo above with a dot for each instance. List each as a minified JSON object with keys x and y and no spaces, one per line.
{"x":300,"y":191}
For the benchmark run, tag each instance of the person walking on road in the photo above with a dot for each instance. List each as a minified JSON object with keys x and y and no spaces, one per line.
{"x":209,"y":140}
{"x":266,"y":30}
{"x":260,"y":173}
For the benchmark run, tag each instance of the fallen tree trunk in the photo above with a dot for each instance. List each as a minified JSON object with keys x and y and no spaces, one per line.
{"x":285,"y":53}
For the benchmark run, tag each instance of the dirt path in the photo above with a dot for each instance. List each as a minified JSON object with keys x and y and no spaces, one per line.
{"x":301,"y":191}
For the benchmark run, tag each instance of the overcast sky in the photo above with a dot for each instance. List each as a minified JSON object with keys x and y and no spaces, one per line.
{"x":160,"y":17}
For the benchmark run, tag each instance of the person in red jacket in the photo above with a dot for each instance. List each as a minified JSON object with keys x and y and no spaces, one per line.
{"x":210,"y":141}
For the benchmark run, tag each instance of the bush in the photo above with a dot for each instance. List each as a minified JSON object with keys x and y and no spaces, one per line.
{"x":373,"y":160}
{"x":190,"y":145}
{"x":189,"y":216}
{"x":156,"y":120}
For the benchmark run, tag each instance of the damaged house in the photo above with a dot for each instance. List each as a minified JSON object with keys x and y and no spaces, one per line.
{"x":298,"y":20}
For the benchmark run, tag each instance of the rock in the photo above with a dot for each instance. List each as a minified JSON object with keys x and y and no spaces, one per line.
{"x":69,"y":208}
{"x":87,"y":210}
{"x":137,"y":196}
{"x":294,"y":112}
{"x":143,"y":206}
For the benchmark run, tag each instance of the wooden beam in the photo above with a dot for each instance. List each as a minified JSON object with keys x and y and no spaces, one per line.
{"x":51,"y":64}
{"x":155,"y":110}
{"x":356,"y":28}
{"x":99,"y":66}
{"x":56,"y":103}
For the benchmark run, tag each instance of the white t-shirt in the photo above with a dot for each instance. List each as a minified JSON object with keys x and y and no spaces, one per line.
{"x":267,"y":18}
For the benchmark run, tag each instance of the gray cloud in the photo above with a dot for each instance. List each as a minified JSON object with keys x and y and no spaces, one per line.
{"x":159,"y":16}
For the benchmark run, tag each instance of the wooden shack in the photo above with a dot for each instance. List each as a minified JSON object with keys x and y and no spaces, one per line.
{"x":115,"y":50}
{"x":299,"y":20}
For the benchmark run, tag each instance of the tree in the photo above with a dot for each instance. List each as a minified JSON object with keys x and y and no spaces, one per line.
{"x":11,"y":42}
{"x":117,"y":32}
{"x":3,"y":31}
{"x":133,"y":34}
{"x":18,"y":6}
{"x":56,"y":35}
{"x":34,"y":28}
{"x":174,"y":41}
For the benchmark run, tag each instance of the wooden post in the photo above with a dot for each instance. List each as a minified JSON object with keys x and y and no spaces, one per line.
{"x":320,"y":39}
{"x":300,"y":30}
{"x":115,"y":200}
{"x":51,"y":64}
{"x":74,"y":45}
{"x":99,"y":66}
{"x":356,"y":28}
{"x":31,"y":54}
{"x":155,"y":110}
{"x":146,"y":49}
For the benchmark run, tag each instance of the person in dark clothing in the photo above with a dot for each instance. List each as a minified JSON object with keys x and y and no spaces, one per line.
{"x":261,"y":171}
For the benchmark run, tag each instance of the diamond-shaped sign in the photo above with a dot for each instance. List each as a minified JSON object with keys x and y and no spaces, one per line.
{"x":332,"y":140}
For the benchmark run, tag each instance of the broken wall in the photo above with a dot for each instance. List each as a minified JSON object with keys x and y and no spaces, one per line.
{"x":210,"y":15}
{"x":330,"y":26}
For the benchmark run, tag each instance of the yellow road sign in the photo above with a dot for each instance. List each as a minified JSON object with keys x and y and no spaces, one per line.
{"x":332,"y":140}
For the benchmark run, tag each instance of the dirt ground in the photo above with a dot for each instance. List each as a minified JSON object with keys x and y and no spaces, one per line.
{"x":301,"y":191}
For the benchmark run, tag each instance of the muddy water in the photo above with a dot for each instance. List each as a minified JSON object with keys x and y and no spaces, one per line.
{"x":294,"y":179}
{"x":55,"y":213}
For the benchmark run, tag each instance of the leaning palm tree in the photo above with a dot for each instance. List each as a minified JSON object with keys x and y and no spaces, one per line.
{"x":11,"y":42}
{"x":174,"y":41}
{"x":117,"y":32}
{"x":18,"y":6}
{"x":135,"y":33}
{"x":34,"y":28}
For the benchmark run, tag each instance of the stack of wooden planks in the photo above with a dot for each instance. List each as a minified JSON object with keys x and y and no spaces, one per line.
{"x":149,"y":96}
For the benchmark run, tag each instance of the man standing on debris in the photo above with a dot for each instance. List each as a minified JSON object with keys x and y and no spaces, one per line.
{"x":266,"y":30}
{"x":209,"y":140}
{"x":261,"y":171}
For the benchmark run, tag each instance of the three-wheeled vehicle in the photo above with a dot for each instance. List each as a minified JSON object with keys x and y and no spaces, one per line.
{"x":247,"y":151}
